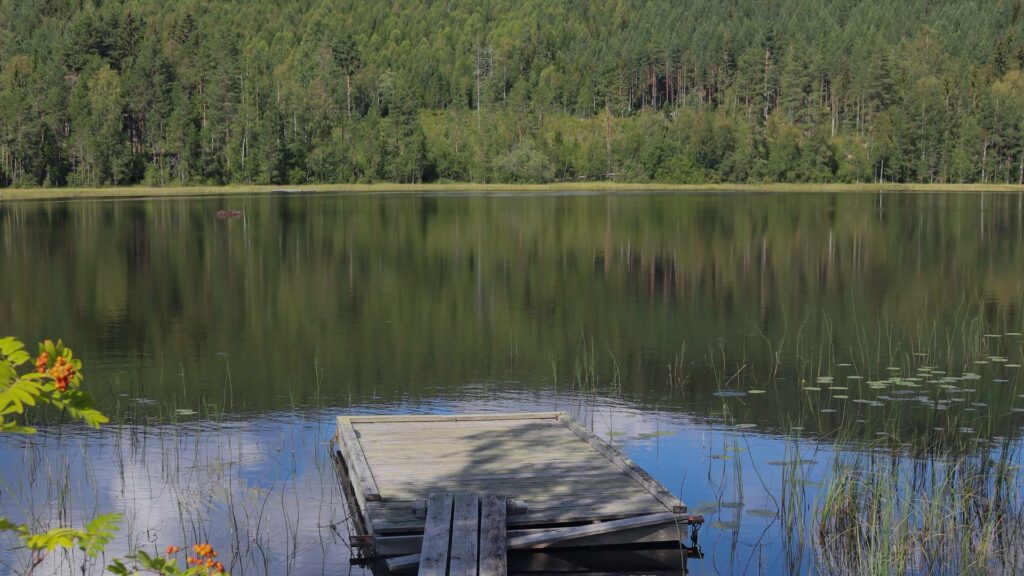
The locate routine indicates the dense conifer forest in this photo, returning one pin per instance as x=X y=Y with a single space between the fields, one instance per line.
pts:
x=104 y=92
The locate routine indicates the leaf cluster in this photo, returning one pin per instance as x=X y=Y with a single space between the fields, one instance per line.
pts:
x=20 y=389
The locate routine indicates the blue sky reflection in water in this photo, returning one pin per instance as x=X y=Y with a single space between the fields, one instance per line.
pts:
x=270 y=479
x=870 y=322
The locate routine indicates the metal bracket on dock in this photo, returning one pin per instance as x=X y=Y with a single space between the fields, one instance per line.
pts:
x=693 y=550
x=360 y=541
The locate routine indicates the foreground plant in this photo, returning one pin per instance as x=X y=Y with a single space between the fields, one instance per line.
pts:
x=91 y=540
x=203 y=563
x=55 y=380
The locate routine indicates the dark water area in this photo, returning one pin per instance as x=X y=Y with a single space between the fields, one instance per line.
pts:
x=710 y=336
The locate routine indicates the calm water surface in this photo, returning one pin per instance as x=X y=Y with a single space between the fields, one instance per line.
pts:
x=225 y=348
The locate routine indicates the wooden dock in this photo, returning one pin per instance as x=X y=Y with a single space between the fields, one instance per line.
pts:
x=569 y=487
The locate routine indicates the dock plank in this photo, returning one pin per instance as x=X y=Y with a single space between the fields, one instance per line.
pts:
x=554 y=486
x=414 y=432
x=404 y=508
x=465 y=535
x=469 y=445
x=554 y=537
x=537 y=497
x=391 y=517
x=493 y=547
x=530 y=471
x=458 y=426
x=628 y=466
x=436 y=534
x=356 y=458
x=486 y=417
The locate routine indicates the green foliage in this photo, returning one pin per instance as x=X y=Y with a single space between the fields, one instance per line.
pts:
x=203 y=563
x=91 y=540
x=291 y=92
x=523 y=163
x=56 y=382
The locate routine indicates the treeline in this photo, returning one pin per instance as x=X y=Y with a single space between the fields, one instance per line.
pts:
x=98 y=92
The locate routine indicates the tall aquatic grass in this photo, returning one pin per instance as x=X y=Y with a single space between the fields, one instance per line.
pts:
x=944 y=514
x=264 y=493
x=916 y=434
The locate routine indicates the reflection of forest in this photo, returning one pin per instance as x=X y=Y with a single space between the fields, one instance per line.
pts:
x=395 y=295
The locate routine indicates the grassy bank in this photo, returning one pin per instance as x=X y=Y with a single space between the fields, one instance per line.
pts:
x=143 y=191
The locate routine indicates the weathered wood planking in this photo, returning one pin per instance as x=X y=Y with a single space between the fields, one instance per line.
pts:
x=436 y=536
x=475 y=545
x=564 y=474
x=448 y=418
x=493 y=536
x=465 y=535
x=356 y=460
x=563 y=535
x=668 y=531
x=635 y=472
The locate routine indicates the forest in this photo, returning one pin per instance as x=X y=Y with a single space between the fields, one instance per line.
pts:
x=191 y=92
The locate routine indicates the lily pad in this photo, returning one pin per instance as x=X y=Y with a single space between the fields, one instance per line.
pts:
x=706 y=508
x=656 y=434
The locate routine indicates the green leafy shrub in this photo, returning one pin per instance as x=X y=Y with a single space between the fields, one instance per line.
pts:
x=55 y=380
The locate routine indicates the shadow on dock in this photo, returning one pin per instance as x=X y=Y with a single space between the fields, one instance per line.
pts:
x=594 y=511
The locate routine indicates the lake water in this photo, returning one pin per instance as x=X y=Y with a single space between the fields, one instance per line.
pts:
x=738 y=346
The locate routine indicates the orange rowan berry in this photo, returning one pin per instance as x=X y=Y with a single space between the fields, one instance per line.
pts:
x=41 y=362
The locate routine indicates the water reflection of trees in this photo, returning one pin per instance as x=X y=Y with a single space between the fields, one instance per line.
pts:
x=396 y=295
